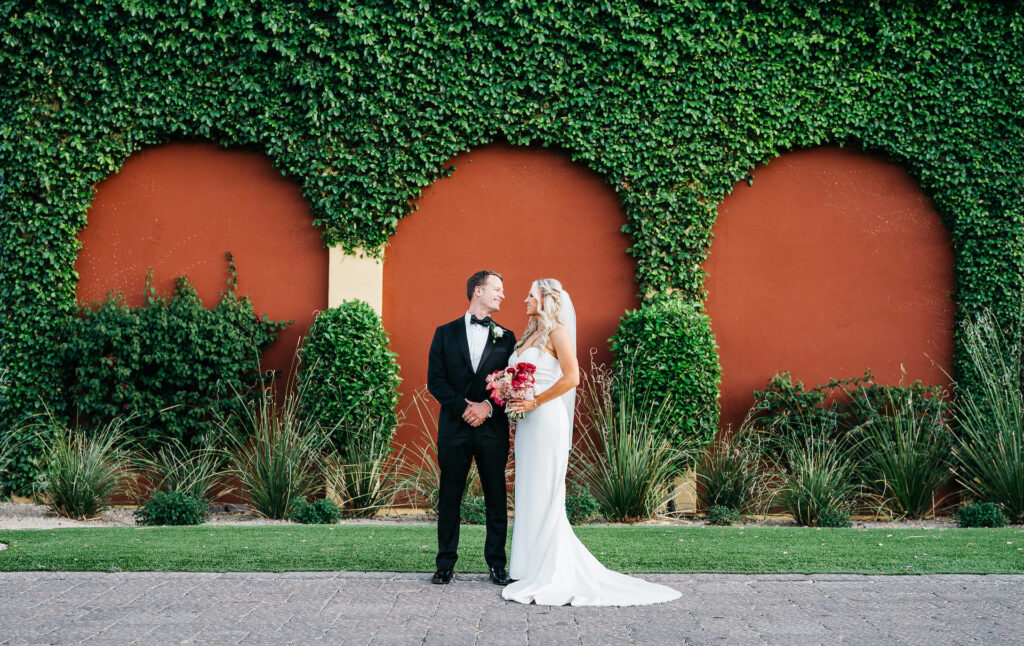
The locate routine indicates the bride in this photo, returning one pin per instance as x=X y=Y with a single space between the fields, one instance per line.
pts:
x=550 y=566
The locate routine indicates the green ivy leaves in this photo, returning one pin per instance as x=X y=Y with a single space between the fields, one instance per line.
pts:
x=674 y=102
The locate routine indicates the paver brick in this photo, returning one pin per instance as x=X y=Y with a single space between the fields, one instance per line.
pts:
x=387 y=608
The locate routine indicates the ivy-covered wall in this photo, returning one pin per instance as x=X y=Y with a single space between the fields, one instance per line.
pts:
x=362 y=103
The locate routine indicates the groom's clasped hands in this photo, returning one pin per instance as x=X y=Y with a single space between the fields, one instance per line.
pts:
x=476 y=412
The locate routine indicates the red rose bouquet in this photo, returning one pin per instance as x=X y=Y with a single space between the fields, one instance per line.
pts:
x=514 y=382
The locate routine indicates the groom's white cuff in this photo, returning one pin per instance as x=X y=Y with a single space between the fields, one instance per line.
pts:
x=490 y=407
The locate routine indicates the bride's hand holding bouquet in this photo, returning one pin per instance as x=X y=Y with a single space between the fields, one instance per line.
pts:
x=512 y=385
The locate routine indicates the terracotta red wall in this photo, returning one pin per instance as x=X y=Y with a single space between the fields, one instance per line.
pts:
x=177 y=208
x=526 y=213
x=832 y=262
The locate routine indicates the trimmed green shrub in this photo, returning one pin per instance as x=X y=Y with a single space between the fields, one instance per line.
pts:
x=718 y=515
x=981 y=514
x=580 y=505
x=172 y=363
x=668 y=352
x=319 y=512
x=833 y=518
x=172 y=508
x=474 y=510
x=348 y=374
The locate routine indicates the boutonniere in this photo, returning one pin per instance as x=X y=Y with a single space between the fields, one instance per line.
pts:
x=496 y=332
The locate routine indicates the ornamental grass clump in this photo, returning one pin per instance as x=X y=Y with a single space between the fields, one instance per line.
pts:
x=364 y=474
x=818 y=485
x=627 y=462
x=83 y=469
x=989 y=452
x=420 y=483
x=422 y=475
x=904 y=459
x=734 y=472
x=6 y=457
x=273 y=451
x=195 y=473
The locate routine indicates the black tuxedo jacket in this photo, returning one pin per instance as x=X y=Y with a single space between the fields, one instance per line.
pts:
x=451 y=380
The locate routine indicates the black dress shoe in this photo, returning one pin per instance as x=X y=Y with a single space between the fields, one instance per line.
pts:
x=499 y=576
x=443 y=576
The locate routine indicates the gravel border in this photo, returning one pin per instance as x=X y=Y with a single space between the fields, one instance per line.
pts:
x=21 y=515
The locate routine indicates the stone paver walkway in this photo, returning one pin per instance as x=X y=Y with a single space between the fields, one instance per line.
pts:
x=386 y=608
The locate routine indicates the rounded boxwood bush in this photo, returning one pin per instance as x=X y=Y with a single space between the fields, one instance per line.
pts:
x=320 y=512
x=981 y=514
x=833 y=518
x=580 y=505
x=666 y=349
x=172 y=508
x=719 y=515
x=348 y=378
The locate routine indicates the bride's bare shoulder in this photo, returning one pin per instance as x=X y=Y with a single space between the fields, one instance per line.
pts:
x=560 y=334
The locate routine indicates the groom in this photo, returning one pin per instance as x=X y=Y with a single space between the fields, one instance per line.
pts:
x=462 y=354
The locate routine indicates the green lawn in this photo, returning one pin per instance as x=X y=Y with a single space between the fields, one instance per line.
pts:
x=411 y=549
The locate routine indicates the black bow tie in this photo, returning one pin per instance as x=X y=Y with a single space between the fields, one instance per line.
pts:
x=485 y=321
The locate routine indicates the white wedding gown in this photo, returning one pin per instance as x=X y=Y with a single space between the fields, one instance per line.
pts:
x=549 y=564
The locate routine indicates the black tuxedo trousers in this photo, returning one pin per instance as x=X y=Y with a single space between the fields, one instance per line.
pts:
x=452 y=380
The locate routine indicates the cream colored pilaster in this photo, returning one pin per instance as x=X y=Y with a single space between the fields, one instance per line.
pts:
x=351 y=277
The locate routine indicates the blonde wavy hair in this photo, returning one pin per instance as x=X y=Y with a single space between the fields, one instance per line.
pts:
x=549 y=311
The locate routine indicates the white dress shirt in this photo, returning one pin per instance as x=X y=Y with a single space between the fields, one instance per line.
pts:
x=477 y=337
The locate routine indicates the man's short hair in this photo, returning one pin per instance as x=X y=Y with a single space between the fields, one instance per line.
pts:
x=477 y=280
